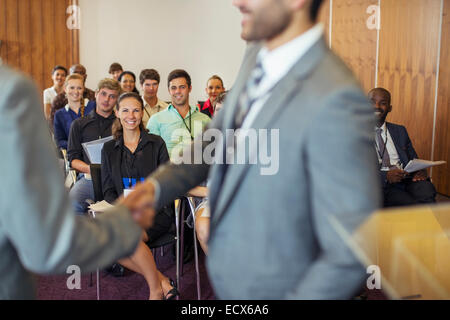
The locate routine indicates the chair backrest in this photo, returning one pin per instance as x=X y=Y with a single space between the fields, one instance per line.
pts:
x=96 y=174
x=69 y=171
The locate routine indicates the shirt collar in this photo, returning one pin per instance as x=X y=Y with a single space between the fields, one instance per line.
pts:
x=193 y=108
x=278 y=62
x=143 y=140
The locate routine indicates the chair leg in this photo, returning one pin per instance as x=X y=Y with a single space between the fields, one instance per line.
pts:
x=197 y=270
x=177 y=243
x=183 y=211
x=98 y=284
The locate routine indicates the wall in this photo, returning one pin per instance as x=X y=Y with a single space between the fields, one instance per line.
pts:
x=35 y=37
x=194 y=35
x=408 y=55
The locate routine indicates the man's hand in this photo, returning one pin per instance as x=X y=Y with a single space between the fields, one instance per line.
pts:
x=420 y=176
x=395 y=175
x=140 y=203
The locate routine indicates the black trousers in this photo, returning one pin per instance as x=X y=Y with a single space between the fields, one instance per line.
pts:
x=407 y=193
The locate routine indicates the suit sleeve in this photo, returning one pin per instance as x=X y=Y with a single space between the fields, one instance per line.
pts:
x=409 y=146
x=35 y=213
x=347 y=191
x=109 y=190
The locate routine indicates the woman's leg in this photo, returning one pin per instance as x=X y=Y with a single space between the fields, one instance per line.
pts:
x=142 y=262
x=202 y=229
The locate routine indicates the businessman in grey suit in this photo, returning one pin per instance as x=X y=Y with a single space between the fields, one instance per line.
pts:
x=272 y=235
x=38 y=230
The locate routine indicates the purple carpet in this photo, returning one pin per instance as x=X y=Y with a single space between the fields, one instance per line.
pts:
x=131 y=286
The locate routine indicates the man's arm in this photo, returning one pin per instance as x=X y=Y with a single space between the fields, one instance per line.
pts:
x=344 y=185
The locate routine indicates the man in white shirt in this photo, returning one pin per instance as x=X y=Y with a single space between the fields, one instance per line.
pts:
x=395 y=150
x=149 y=79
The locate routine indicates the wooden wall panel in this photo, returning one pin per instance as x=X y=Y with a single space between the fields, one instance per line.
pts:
x=37 y=44
x=24 y=16
x=48 y=28
x=3 y=29
x=324 y=17
x=12 y=33
x=409 y=39
x=353 y=41
x=441 y=174
x=35 y=37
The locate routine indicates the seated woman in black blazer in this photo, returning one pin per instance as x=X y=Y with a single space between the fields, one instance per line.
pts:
x=130 y=157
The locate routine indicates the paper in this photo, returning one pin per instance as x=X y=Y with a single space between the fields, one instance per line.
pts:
x=418 y=164
x=94 y=148
x=101 y=206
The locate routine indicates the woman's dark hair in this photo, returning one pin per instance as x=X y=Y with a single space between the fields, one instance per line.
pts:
x=117 y=129
x=314 y=10
x=59 y=68
x=134 y=78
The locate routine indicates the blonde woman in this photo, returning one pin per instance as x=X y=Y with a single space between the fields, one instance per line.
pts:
x=74 y=109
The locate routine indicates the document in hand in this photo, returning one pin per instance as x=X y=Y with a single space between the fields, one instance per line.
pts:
x=418 y=164
x=94 y=148
x=101 y=206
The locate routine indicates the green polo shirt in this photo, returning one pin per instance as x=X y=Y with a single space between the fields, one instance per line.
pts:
x=175 y=132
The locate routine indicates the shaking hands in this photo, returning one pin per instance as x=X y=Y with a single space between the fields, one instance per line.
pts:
x=141 y=203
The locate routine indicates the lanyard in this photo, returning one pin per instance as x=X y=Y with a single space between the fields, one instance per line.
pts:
x=190 y=124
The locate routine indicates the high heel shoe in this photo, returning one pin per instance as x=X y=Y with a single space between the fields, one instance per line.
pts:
x=173 y=293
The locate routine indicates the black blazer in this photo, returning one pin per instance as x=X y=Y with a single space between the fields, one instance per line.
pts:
x=402 y=144
x=155 y=154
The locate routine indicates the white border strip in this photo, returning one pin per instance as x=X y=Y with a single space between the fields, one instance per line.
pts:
x=330 y=23
x=437 y=84
x=378 y=44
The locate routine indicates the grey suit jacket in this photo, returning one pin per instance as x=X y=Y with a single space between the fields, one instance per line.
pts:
x=39 y=232
x=271 y=236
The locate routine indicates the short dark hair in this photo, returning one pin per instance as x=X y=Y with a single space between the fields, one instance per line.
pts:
x=179 y=73
x=115 y=67
x=58 y=67
x=314 y=9
x=149 y=74
x=384 y=91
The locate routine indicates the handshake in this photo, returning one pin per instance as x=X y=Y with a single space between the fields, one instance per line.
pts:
x=141 y=203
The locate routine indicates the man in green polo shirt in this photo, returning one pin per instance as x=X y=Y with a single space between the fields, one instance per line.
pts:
x=180 y=122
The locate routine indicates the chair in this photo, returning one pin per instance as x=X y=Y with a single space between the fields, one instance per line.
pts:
x=71 y=174
x=187 y=204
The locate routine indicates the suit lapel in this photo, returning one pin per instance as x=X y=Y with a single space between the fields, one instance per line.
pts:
x=282 y=94
x=395 y=135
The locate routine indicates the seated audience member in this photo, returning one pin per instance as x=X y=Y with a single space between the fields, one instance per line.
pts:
x=395 y=150
x=130 y=157
x=180 y=122
x=149 y=79
x=80 y=69
x=94 y=126
x=61 y=100
x=214 y=87
x=74 y=109
x=115 y=70
x=59 y=74
x=202 y=213
x=127 y=81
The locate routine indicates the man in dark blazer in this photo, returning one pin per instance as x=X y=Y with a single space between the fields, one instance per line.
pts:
x=395 y=150
x=274 y=229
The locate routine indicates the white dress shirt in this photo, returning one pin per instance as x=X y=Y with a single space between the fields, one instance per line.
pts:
x=390 y=147
x=277 y=63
